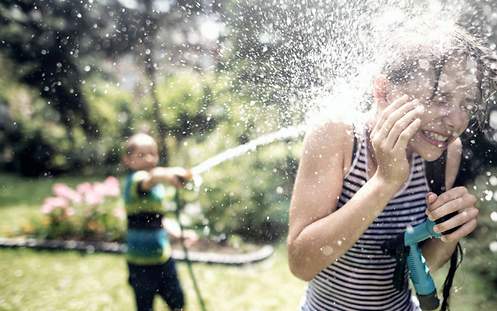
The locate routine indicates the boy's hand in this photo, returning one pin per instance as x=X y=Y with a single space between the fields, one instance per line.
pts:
x=190 y=237
x=176 y=176
x=454 y=200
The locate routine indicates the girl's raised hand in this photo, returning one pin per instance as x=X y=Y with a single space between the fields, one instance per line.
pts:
x=397 y=124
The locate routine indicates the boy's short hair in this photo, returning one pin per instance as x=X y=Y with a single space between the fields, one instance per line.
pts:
x=136 y=140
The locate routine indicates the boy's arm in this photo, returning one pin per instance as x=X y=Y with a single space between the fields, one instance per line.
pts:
x=172 y=228
x=174 y=231
x=174 y=176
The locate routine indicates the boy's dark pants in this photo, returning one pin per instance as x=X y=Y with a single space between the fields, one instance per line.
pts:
x=150 y=280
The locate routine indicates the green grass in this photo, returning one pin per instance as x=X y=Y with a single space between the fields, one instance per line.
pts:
x=41 y=280
x=34 y=280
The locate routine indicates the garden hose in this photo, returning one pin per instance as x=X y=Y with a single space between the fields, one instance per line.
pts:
x=406 y=250
x=179 y=206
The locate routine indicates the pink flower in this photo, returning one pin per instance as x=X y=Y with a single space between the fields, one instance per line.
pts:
x=108 y=188
x=112 y=186
x=52 y=203
x=99 y=188
x=47 y=208
x=84 y=187
x=93 y=198
x=62 y=190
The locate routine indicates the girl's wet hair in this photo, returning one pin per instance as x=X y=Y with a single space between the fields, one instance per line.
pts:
x=412 y=51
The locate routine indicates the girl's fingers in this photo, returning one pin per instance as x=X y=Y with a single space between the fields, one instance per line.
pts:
x=396 y=104
x=466 y=229
x=457 y=220
x=401 y=124
x=450 y=195
x=407 y=134
x=449 y=207
x=431 y=198
x=391 y=119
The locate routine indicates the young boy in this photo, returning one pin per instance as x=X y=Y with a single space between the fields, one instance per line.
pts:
x=151 y=268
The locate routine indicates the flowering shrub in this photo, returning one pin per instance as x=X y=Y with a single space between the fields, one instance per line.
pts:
x=91 y=211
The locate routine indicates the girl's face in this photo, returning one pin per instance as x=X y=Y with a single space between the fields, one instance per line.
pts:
x=447 y=109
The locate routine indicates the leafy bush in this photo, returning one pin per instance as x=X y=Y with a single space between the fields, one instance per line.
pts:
x=204 y=114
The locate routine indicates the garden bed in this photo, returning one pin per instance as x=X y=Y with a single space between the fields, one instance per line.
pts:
x=204 y=252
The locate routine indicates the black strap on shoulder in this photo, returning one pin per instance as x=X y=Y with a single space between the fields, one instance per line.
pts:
x=435 y=174
x=354 y=145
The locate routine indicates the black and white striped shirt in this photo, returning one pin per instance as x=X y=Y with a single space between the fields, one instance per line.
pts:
x=361 y=279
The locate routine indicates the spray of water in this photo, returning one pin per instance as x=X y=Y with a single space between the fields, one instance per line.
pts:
x=229 y=154
x=330 y=52
x=319 y=57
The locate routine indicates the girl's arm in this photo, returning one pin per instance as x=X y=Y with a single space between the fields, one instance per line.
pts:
x=319 y=233
x=436 y=251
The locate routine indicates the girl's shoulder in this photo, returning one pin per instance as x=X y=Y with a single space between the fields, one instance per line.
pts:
x=333 y=139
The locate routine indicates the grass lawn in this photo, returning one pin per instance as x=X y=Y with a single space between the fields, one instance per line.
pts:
x=34 y=280
x=42 y=280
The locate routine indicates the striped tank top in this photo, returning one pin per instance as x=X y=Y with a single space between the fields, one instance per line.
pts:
x=361 y=279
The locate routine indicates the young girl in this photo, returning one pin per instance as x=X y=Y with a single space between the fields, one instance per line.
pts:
x=356 y=188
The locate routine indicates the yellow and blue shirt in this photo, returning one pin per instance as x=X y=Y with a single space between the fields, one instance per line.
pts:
x=147 y=240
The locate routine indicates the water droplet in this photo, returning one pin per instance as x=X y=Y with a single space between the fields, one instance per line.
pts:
x=326 y=250
x=493 y=246
x=493 y=216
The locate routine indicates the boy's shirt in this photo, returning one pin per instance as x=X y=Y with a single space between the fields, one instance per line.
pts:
x=147 y=241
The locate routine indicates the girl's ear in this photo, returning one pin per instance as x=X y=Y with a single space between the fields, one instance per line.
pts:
x=380 y=91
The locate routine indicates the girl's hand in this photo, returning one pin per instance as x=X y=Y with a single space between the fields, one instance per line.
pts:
x=454 y=200
x=397 y=124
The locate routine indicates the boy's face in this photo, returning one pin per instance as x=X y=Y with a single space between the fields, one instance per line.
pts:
x=144 y=156
x=447 y=113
